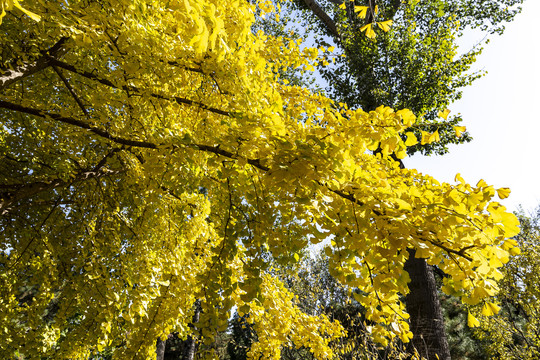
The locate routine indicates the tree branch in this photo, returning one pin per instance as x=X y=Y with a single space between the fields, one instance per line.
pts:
x=131 y=88
x=26 y=69
x=70 y=89
x=123 y=141
x=208 y=148
x=395 y=5
x=12 y=193
x=76 y=122
x=328 y=22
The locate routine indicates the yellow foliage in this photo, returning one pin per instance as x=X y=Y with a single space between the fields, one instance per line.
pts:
x=162 y=161
x=368 y=28
x=8 y=5
x=459 y=130
x=472 y=321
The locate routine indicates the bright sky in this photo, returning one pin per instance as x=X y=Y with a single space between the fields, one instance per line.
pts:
x=500 y=112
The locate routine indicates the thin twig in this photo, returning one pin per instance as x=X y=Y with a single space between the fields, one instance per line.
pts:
x=71 y=91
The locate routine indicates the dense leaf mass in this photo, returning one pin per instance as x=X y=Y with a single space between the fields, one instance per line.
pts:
x=151 y=157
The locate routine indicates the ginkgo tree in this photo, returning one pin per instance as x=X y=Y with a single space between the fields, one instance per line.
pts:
x=152 y=158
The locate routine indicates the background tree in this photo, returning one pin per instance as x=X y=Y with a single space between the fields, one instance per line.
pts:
x=415 y=65
x=242 y=336
x=514 y=333
x=318 y=291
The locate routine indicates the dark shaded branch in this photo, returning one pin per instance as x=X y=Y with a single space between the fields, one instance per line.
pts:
x=394 y=7
x=70 y=89
x=189 y=68
x=123 y=141
x=328 y=22
x=78 y=123
x=27 y=69
x=370 y=16
x=352 y=198
x=130 y=88
x=208 y=148
x=12 y=193
x=105 y=158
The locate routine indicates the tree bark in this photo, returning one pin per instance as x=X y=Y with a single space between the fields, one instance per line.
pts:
x=191 y=341
x=160 y=349
x=328 y=22
x=423 y=305
x=29 y=68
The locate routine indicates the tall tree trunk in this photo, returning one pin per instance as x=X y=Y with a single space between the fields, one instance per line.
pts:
x=160 y=349
x=423 y=305
x=191 y=341
x=180 y=349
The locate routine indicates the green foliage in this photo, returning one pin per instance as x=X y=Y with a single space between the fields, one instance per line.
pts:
x=318 y=292
x=462 y=341
x=417 y=64
x=242 y=336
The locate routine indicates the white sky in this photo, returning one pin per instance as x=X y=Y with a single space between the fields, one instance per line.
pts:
x=501 y=112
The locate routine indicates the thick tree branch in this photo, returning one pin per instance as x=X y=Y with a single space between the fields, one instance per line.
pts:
x=119 y=140
x=328 y=22
x=27 y=69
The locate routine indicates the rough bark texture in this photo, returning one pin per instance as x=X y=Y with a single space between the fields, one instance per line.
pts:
x=191 y=341
x=330 y=26
x=427 y=323
x=19 y=72
x=160 y=349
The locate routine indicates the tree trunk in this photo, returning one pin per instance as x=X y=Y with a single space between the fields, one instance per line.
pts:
x=191 y=341
x=423 y=305
x=160 y=349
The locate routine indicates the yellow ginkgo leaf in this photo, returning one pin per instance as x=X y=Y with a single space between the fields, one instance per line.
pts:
x=411 y=139
x=342 y=6
x=490 y=309
x=33 y=16
x=428 y=138
x=494 y=308
x=443 y=114
x=459 y=130
x=481 y=183
x=434 y=137
x=361 y=10
x=368 y=28
x=472 y=321
x=9 y=4
x=503 y=193
x=385 y=25
x=425 y=137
